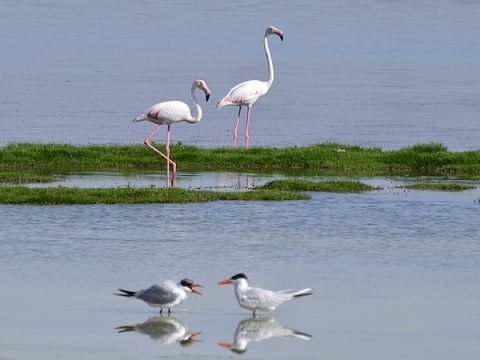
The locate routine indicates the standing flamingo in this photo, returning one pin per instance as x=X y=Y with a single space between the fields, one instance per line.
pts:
x=171 y=112
x=246 y=93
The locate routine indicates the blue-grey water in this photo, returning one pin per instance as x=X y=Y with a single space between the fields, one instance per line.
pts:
x=394 y=274
x=373 y=73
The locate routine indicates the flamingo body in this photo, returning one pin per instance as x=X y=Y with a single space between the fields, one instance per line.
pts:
x=245 y=93
x=167 y=113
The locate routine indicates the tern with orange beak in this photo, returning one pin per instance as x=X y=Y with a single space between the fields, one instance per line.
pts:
x=257 y=299
x=166 y=295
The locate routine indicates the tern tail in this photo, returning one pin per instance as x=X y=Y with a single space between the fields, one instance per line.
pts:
x=300 y=335
x=126 y=293
x=303 y=292
x=125 y=328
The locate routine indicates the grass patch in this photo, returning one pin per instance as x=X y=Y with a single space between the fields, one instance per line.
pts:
x=438 y=186
x=23 y=178
x=68 y=196
x=428 y=159
x=339 y=186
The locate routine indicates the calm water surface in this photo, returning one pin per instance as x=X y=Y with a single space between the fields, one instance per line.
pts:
x=373 y=73
x=394 y=275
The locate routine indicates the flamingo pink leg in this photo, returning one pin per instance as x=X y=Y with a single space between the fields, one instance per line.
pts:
x=147 y=143
x=167 y=148
x=246 y=129
x=235 y=131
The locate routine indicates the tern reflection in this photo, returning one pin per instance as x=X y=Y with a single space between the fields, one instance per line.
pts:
x=259 y=329
x=166 y=330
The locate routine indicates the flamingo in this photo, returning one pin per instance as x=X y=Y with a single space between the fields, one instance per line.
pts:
x=172 y=112
x=248 y=92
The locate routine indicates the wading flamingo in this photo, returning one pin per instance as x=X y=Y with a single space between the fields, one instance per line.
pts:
x=171 y=112
x=246 y=93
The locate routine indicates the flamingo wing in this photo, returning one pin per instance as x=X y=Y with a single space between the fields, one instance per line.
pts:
x=246 y=92
x=168 y=112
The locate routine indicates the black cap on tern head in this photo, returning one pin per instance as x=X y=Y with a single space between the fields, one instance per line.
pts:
x=186 y=282
x=239 y=276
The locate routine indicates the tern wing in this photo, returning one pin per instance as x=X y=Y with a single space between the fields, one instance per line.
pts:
x=262 y=298
x=163 y=293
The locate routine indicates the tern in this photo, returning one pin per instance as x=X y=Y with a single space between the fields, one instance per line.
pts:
x=165 y=330
x=259 y=329
x=257 y=299
x=167 y=294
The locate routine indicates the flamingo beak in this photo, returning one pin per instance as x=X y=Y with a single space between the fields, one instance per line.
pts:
x=225 y=282
x=207 y=92
x=194 y=290
x=279 y=33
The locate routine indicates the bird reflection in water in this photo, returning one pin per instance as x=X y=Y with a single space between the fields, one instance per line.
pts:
x=259 y=329
x=165 y=330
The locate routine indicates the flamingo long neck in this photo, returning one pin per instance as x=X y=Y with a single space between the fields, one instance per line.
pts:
x=271 y=74
x=198 y=117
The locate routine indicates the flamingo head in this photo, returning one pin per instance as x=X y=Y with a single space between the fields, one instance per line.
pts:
x=272 y=30
x=201 y=84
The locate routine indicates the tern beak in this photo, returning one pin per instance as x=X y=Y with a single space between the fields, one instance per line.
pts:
x=225 y=282
x=194 y=290
x=225 y=345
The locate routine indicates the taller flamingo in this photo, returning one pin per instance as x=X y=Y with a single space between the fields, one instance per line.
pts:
x=246 y=93
x=171 y=112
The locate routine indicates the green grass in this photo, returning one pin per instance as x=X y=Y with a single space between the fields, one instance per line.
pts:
x=62 y=195
x=23 y=178
x=325 y=186
x=438 y=186
x=332 y=158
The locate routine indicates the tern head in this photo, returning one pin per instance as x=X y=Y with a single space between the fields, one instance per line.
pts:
x=201 y=84
x=272 y=30
x=234 y=279
x=190 y=286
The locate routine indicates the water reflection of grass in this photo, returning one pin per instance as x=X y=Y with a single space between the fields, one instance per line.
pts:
x=333 y=158
x=62 y=195
x=438 y=186
x=324 y=186
x=23 y=178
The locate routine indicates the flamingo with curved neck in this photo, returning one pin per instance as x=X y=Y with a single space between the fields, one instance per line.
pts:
x=248 y=92
x=172 y=112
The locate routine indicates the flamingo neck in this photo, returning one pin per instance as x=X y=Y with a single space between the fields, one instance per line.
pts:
x=198 y=117
x=271 y=74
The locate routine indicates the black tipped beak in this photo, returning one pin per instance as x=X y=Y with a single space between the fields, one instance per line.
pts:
x=281 y=37
x=207 y=97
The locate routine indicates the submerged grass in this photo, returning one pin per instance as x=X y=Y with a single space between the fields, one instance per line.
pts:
x=23 y=178
x=438 y=186
x=68 y=196
x=418 y=159
x=325 y=186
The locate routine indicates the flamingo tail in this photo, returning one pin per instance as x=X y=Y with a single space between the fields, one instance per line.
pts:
x=141 y=117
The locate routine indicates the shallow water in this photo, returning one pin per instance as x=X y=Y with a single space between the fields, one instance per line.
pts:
x=393 y=272
x=374 y=73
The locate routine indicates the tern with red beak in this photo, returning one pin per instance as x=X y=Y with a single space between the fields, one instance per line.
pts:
x=257 y=299
x=167 y=294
